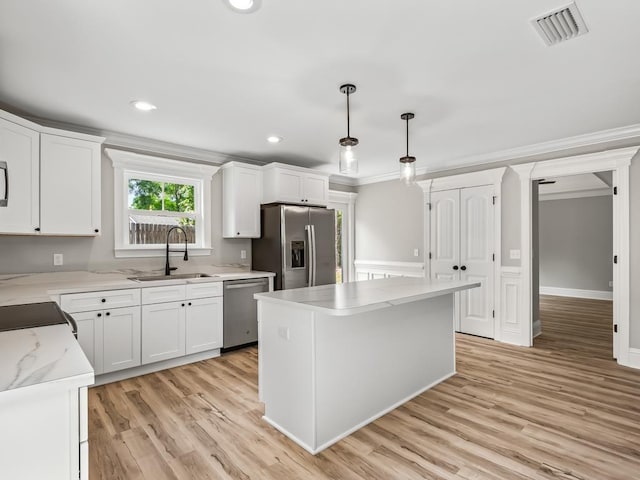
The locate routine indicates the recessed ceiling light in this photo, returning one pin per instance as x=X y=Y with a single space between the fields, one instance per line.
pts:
x=144 y=106
x=243 y=6
x=274 y=139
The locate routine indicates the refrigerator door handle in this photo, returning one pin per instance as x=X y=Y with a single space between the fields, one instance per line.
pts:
x=314 y=258
x=309 y=253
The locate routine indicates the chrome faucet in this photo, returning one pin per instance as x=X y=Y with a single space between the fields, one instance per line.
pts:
x=167 y=268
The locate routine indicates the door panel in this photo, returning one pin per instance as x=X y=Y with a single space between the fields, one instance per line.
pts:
x=296 y=247
x=476 y=255
x=445 y=233
x=324 y=222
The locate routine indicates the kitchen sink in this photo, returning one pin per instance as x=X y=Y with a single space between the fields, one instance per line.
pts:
x=177 y=276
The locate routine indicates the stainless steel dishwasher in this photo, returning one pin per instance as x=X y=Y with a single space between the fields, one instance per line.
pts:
x=241 y=312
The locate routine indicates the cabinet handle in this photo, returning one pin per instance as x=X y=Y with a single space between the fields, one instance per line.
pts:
x=183 y=304
x=103 y=300
x=189 y=303
x=99 y=315
x=238 y=233
x=463 y=267
x=37 y=229
x=455 y=267
x=5 y=168
x=96 y=230
x=108 y=313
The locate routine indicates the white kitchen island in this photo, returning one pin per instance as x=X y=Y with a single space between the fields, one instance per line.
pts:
x=334 y=358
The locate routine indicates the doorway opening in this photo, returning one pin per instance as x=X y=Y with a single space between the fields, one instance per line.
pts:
x=572 y=269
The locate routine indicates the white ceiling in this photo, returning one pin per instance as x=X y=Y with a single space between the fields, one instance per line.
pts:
x=476 y=74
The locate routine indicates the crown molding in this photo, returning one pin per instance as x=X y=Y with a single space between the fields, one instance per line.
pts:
x=596 y=192
x=588 y=143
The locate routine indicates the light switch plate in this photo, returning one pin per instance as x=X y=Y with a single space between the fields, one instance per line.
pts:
x=416 y=252
x=514 y=254
x=243 y=254
x=58 y=259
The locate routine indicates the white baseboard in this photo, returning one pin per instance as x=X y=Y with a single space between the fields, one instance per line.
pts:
x=634 y=358
x=577 y=293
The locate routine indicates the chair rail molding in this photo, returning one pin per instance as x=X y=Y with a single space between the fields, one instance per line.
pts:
x=618 y=161
x=492 y=176
x=372 y=269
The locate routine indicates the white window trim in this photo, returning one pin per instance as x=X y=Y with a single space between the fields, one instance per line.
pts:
x=347 y=199
x=128 y=165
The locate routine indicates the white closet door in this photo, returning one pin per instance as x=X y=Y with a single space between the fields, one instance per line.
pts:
x=445 y=234
x=476 y=260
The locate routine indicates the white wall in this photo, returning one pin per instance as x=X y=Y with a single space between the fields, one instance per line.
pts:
x=25 y=254
x=576 y=243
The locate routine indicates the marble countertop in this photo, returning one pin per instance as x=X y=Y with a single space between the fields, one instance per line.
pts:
x=363 y=296
x=41 y=287
x=40 y=356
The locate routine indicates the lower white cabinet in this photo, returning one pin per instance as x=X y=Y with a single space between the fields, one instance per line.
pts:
x=163 y=331
x=110 y=338
x=191 y=323
x=203 y=324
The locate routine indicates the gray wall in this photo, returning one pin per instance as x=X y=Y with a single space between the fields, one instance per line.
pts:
x=23 y=254
x=389 y=222
x=576 y=243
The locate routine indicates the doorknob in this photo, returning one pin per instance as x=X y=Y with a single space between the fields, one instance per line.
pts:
x=463 y=267
x=455 y=267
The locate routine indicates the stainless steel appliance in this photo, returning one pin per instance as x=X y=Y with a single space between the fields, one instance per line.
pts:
x=31 y=315
x=240 y=316
x=298 y=244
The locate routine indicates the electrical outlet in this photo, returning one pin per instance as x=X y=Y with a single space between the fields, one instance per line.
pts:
x=416 y=252
x=58 y=259
x=514 y=254
x=284 y=333
x=243 y=254
x=611 y=283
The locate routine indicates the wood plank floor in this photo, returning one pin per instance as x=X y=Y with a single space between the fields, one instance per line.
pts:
x=561 y=410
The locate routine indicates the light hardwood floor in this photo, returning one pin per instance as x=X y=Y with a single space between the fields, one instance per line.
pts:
x=561 y=410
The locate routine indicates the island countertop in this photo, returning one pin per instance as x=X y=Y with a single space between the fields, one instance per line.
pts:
x=357 y=297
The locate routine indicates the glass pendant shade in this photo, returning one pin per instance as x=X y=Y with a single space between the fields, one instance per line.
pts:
x=407 y=163
x=408 y=171
x=346 y=153
x=348 y=158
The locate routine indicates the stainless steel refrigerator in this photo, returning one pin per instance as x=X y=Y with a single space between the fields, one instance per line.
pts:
x=298 y=244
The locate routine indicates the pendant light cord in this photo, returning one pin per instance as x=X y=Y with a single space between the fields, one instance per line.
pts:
x=407 y=136
x=348 y=132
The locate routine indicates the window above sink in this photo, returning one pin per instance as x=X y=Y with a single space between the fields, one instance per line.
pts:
x=153 y=194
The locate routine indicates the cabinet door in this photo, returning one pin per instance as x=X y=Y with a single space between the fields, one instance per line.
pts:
x=121 y=338
x=90 y=329
x=69 y=186
x=289 y=186
x=163 y=330
x=204 y=324
x=242 y=195
x=316 y=189
x=476 y=257
x=19 y=179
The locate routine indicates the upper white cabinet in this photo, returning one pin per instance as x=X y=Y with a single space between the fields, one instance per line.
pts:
x=49 y=179
x=288 y=184
x=241 y=198
x=19 y=178
x=69 y=186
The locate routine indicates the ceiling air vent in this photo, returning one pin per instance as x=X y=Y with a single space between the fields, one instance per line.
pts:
x=560 y=25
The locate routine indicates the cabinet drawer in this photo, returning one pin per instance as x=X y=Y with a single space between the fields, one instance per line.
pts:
x=170 y=293
x=204 y=290
x=84 y=302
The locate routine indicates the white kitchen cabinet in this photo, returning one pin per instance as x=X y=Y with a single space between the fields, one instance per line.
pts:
x=108 y=327
x=69 y=186
x=190 y=323
x=241 y=198
x=203 y=324
x=287 y=184
x=19 y=178
x=49 y=179
x=163 y=331
x=121 y=339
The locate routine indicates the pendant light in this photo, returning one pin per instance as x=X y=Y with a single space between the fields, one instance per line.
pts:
x=407 y=163
x=348 y=159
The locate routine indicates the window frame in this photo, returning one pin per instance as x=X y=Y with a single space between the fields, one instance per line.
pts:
x=128 y=165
